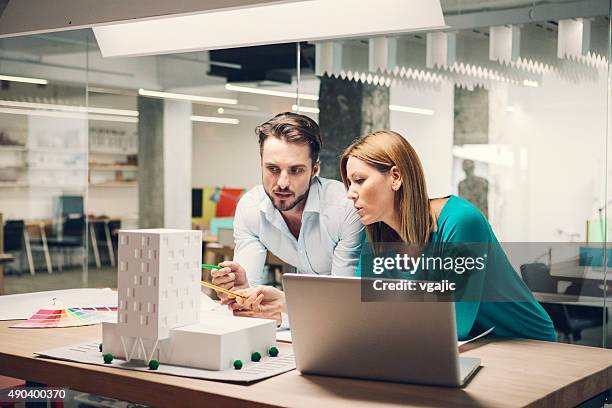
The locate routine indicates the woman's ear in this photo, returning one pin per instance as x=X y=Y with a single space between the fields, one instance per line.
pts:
x=396 y=178
x=316 y=168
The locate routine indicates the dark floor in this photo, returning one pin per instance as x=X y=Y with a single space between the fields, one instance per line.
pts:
x=105 y=277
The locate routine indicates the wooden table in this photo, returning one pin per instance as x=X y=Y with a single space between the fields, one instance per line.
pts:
x=514 y=373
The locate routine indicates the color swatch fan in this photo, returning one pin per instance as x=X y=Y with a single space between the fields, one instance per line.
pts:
x=70 y=317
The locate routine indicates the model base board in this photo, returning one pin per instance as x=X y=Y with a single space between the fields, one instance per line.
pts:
x=213 y=344
x=89 y=353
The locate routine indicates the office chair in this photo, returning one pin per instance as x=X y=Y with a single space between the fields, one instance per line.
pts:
x=14 y=241
x=68 y=204
x=71 y=236
x=569 y=320
x=104 y=233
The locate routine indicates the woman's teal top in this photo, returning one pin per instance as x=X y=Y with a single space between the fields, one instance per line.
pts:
x=497 y=297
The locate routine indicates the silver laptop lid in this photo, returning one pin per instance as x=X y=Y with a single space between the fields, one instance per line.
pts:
x=335 y=333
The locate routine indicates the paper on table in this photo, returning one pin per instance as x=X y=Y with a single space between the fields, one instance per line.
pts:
x=484 y=333
x=283 y=335
x=71 y=317
x=22 y=306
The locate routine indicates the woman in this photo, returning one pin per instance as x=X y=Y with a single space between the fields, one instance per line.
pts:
x=385 y=180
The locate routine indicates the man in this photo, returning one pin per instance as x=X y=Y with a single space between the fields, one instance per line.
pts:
x=301 y=218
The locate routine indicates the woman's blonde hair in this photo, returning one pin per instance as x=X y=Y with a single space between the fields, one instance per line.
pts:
x=383 y=150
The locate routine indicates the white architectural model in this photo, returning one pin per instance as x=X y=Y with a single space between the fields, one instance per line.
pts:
x=158 y=314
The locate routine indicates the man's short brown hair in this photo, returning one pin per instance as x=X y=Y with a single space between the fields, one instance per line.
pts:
x=292 y=128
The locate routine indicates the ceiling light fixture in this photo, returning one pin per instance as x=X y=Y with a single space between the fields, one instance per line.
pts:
x=68 y=108
x=23 y=79
x=311 y=20
x=183 y=97
x=270 y=92
x=68 y=115
x=410 y=109
x=306 y=109
x=214 y=119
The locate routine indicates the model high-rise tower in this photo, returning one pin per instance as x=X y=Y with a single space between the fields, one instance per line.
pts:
x=158 y=282
x=158 y=315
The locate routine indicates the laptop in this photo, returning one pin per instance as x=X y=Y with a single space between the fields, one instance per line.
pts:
x=335 y=333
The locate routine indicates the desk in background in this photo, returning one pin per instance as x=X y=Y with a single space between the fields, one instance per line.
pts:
x=41 y=228
x=571 y=271
x=105 y=223
x=515 y=373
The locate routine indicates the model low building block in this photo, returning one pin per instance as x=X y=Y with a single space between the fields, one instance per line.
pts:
x=159 y=307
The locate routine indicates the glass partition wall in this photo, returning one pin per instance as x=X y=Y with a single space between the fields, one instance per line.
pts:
x=44 y=160
x=507 y=108
x=101 y=157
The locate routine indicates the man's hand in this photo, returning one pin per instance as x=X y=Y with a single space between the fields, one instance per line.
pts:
x=231 y=275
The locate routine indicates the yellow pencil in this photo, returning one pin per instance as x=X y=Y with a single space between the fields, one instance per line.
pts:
x=220 y=289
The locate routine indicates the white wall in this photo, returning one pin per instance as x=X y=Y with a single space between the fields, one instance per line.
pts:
x=119 y=202
x=227 y=155
x=430 y=135
x=557 y=133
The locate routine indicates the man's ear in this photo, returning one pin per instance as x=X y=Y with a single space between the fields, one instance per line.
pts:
x=396 y=178
x=316 y=168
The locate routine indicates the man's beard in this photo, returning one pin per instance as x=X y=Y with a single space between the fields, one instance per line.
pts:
x=288 y=206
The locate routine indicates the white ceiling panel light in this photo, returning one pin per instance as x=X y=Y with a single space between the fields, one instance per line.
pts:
x=270 y=92
x=574 y=38
x=441 y=49
x=184 y=97
x=23 y=79
x=382 y=55
x=504 y=43
x=328 y=57
x=215 y=119
x=307 y=20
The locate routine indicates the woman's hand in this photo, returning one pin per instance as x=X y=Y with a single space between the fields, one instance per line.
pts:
x=264 y=302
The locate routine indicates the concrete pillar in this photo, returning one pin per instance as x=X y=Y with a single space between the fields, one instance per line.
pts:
x=177 y=164
x=164 y=161
x=348 y=110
